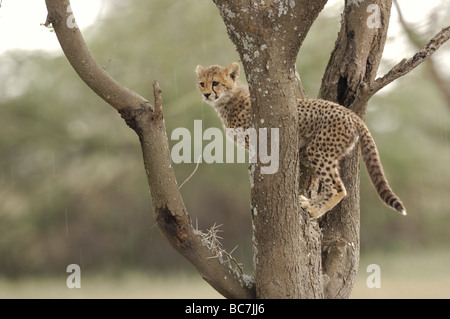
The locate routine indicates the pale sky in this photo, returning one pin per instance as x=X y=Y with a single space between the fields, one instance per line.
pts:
x=20 y=23
x=21 y=28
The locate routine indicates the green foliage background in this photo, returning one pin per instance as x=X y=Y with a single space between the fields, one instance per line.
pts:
x=72 y=183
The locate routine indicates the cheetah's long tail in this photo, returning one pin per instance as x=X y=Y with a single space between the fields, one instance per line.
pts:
x=373 y=164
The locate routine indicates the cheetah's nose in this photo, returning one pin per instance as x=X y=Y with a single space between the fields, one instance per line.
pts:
x=207 y=95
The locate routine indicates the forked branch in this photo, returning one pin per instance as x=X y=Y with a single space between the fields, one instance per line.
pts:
x=147 y=121
x=433 y=67
x=367 y=90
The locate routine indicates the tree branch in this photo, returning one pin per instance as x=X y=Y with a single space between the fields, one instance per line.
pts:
x=350 y=80
x=415 y=39
x=367 y=90
x=79 y=56
x=170 y=213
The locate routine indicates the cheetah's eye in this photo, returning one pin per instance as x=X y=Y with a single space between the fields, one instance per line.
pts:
x=202 y=84
x=215 y=83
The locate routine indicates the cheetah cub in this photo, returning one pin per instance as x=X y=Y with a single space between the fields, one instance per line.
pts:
x=328 y=130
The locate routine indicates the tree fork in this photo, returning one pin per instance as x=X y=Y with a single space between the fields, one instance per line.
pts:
x=148 y=122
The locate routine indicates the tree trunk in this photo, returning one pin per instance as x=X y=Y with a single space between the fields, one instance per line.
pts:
x=286 y=242
x=354 y=60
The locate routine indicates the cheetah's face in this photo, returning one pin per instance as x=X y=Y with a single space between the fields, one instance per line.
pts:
x=217 y=82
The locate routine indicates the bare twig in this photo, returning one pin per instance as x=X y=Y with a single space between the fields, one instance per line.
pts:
x=158 y=97
x=367 y=90
x=414 y=38
x=406 y=66
x=192 y=174
x=105 y=67
x=212 y=241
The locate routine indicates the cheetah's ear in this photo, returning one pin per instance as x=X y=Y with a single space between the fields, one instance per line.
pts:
x=233 y=70
x=199 y=70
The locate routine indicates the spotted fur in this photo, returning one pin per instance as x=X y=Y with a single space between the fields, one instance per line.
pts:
x=328 y=130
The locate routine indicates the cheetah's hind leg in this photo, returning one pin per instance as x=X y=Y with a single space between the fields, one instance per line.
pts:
x=332 y=189
x=316 y=197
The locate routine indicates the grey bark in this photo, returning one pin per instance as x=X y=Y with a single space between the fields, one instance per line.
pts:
x=268 y=35
x=354 y=60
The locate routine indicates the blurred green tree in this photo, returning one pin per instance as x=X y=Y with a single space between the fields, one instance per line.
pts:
x=67 y=196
